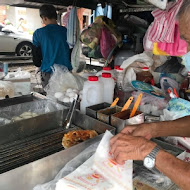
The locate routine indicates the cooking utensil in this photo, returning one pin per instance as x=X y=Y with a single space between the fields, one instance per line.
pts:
x=135 y=107
x=115 y=102
x=127 y=104
x=67 y=121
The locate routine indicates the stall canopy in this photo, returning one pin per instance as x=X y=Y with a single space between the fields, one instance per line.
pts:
x=91 y=4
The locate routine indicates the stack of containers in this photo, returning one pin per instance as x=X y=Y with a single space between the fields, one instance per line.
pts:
x=92 y=93
x=108 y=85
x=106 y=70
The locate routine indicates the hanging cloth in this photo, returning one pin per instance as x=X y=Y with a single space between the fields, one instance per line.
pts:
x=73 y=29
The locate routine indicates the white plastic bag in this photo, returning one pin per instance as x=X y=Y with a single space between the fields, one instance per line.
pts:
x=119 y=175
x=61 y=80
x=99 y=172
x=143 y=57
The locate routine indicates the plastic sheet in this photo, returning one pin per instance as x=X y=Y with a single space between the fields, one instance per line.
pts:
x=19 y=74
x=69 y=167
x=61 y=80
x=6 y=89
x=38 y=107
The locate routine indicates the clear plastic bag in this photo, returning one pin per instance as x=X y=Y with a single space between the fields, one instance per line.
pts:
x=69 y=167
x=9 y=113
x=6 y=89
x=61 y=80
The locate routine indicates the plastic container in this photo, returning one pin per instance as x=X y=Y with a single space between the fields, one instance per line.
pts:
x=145 y=76
x=109 y=86
x=120 y=76
x=106 y=70
x=92 y=93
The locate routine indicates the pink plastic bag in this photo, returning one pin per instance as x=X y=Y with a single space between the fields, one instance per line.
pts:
x=178 y=48
x=107 y=42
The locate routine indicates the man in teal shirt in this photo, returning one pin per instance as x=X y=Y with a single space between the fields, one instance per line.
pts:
x=50 y=44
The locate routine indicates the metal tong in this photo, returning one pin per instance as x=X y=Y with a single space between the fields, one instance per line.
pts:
x=68 y=119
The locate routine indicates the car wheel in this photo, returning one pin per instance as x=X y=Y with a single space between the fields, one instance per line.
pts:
x=24 y=49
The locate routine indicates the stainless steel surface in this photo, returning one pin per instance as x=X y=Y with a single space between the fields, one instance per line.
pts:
x=121 y=119
x=17 y=100
x=105 y=114
x=92 y=110
x=41 y=171
x=45 y=169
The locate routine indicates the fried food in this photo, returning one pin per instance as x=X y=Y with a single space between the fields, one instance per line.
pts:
x=74 y=137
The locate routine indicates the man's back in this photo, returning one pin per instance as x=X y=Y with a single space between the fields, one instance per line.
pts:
x=52 y=39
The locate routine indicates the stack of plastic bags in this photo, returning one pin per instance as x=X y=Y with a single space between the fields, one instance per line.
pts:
x=163 y=36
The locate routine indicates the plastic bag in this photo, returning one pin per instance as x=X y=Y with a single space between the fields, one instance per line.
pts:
x=129 y=76
x=144 y=58
x=119 y=175
x=27 y=110
x=61 y=80
x=69 y=167
x=107 y=42
x=19 y=74
x=6 y=89
x=99 y=172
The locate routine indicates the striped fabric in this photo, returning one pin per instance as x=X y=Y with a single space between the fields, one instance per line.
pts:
x=163 y=27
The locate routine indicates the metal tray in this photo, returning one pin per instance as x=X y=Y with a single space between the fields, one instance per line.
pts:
x=121 y=119
x=17 y=100
x=44 y=169
x=105 y=114
x=92 y=110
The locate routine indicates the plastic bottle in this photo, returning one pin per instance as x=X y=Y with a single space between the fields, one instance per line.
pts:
x=92 y=93
x=145 y=76
x=109 y=85
x=119 y=79
x=106 y=70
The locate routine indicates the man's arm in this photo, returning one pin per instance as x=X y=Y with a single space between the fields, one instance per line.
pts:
x=177 y=170
x=127 y=147
x=36 y=50
x=179 y=127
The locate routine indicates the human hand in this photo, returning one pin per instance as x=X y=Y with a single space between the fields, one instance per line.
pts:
x=126 y=147
x=145 y=130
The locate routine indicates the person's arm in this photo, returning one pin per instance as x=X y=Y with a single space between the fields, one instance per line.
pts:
x=179 y=127
x=126 y=147
x=177 y=170
x=36 y=50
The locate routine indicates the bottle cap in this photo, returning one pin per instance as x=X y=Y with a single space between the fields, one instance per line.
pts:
x=116 y=67
x=145 y=68
x=119 y=69
x=106 y=75
x=93 y=78
x=106 y=68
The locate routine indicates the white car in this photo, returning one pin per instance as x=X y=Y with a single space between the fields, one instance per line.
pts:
x=12 y=41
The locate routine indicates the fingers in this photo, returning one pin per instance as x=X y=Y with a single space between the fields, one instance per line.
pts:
x=128 y=129
x=114 y=142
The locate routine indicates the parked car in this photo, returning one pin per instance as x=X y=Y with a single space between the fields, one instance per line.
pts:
x=12 y=41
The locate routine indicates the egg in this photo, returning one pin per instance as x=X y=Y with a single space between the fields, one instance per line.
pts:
x=76 y=91
x=69 y=90
x=66 y=99
x=58 y=95
x=72 y=99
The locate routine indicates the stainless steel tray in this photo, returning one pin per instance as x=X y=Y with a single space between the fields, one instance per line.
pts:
x=45 y=169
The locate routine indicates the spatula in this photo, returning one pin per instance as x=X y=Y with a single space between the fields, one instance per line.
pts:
x=136 y=105
x=114 y=102
x=127 y=104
